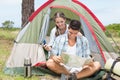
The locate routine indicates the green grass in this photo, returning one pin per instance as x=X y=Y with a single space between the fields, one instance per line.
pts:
x=115 y=43
x=8 y=34
x=116 y=39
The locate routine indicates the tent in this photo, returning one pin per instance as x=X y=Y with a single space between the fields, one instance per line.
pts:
x=30 y=38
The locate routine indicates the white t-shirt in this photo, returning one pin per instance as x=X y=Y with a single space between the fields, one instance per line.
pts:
x=71 y=49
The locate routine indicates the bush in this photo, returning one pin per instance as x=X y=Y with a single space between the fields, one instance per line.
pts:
x=114 y=30
x=108 y=34
x=8 y=24
x=119 y=34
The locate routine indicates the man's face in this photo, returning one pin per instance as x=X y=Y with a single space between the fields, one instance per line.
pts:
x=72 y=34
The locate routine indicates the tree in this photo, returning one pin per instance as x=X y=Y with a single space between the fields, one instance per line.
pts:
x=7 y=24
x=27 y=10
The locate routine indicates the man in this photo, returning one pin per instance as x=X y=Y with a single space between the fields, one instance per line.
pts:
x=72 y=44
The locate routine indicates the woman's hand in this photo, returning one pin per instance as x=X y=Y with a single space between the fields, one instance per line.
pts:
x=46 y=47
x=79 y=34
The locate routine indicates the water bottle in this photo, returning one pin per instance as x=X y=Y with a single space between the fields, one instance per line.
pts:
x=27 y=67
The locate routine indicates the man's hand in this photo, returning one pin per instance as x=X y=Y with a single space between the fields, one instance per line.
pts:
x=89 y=61
x=57 y=59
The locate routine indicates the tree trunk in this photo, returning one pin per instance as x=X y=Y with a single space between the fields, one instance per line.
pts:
x=27 y=10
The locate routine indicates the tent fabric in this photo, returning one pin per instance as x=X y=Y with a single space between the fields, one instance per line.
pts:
x=44 y=26
x=39 y=71
x=30 y=38
x=21 y=51
x=88 y=10
x=21 y=33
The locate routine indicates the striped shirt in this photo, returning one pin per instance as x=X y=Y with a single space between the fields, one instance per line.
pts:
x=61 y=43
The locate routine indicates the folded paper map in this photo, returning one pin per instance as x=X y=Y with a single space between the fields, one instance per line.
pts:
x=74 y=61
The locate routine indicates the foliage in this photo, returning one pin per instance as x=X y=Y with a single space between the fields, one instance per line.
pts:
x=113 y=32
x=113 y=29
x=8 y=24
x=8 y=34
x=114 y=26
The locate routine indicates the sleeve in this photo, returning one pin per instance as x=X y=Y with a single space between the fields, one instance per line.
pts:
x=52 y=37
x=86 y=49
x=55 y=47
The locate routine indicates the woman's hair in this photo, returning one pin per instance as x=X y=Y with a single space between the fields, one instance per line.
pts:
x=75 y=25
x=57 y=15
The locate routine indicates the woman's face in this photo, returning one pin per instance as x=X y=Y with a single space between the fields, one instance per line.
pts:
x=60 y=22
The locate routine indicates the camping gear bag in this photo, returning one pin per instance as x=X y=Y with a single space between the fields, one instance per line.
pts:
x=112 y=66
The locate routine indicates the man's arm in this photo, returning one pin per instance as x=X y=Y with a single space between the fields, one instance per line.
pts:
x=86 y=49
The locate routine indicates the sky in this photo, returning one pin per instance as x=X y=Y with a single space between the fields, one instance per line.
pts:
x=107 y=11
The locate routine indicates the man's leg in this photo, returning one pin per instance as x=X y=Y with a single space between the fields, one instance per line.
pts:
x=88 y=70
x=57 y=68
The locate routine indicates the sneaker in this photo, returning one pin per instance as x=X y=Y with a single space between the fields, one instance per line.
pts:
x=69 y=77
x=63 y=77
x=72 y=77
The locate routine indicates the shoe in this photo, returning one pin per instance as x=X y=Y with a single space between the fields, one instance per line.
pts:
x=72 y=77
x=68 y=77
x=63 y=77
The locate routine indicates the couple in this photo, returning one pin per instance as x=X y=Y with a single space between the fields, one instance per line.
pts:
x=73 y=44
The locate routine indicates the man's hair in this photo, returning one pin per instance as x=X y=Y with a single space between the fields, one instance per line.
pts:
x=75 y=25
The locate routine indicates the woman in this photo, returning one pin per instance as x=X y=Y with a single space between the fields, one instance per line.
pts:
x=60 y=29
